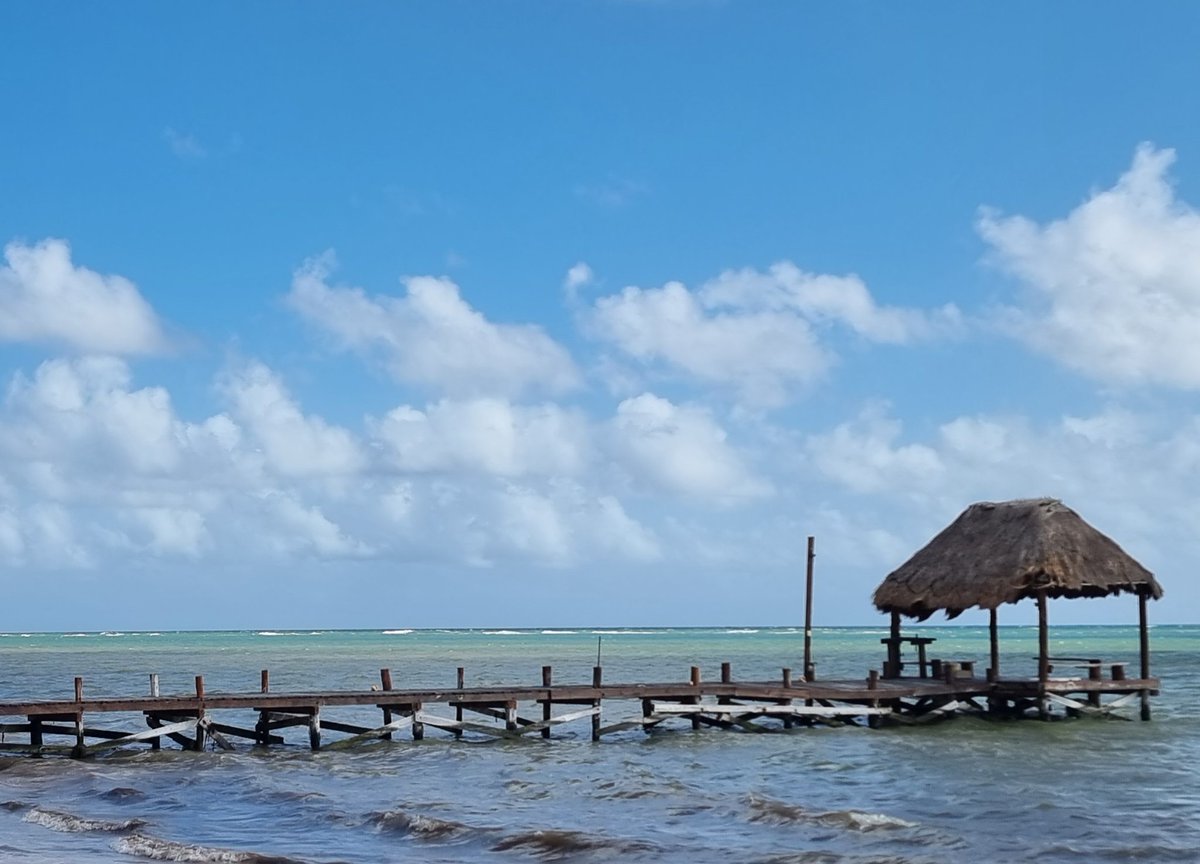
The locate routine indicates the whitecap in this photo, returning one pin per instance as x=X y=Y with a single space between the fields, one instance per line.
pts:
x=71 y=824
x=501 y=632
x=558 y=632
x=396 y=632
x=168 y=850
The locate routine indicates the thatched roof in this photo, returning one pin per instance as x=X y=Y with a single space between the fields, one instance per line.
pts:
x=1001 y=553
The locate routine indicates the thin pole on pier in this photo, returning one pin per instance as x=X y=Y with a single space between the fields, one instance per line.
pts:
x=1144 y=639
x=808 y=603
x=994 y=636
x=1043 y=653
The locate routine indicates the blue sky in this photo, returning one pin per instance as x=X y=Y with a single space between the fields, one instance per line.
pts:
x=583 y=312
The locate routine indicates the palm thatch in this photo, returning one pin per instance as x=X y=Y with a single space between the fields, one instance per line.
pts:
x=1003 y=552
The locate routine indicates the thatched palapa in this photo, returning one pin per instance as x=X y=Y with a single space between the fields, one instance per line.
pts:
x=997 y=553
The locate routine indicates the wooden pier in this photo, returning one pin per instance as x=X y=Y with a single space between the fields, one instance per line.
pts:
x=202 y=720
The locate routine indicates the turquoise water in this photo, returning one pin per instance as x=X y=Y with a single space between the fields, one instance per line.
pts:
x=1073 y=791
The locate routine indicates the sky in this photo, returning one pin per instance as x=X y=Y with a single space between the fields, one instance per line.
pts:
x=585 y=312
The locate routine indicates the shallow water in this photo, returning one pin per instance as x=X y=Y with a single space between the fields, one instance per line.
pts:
x=1087 y=790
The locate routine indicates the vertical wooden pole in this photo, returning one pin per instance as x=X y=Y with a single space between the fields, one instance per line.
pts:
x=726 y=673
x=1043 y=655
x=458 y=711
x=201 y=714
x=264 y=681
x=695 y=679
x=385 y=684
x=314 y=728
x=597 y=677
x=78 y=717
x=154 y=684
x=510 y=715
x=547 y=677
x=35 y=733
x=262 y=728
x=808 y=603
x=893 y=658
x=418 y=728
x=994 y=637
x=787 y=677
x=1144 y=639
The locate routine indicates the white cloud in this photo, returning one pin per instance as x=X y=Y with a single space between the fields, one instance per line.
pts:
x=44 y=298
x=432 y=337
x=579 y=276
x=184 y=144
x=293 y=444
x=862 y=455
x=680 y=450
x=490 y=436
x=754 y=332
x=1113 y=287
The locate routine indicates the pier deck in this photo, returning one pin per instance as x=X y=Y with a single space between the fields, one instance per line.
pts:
x=202 y=719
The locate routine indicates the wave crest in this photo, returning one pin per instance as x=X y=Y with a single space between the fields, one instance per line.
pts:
x=72 y=824
x=145 y=846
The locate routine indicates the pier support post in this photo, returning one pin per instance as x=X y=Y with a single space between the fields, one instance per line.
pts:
x=418 y=728
x=385 y=684
x=201 y=715
x=314 y=728
x=597 y=678
x=695 y=681
x=78 y=752
x=547 y=677
x=458 y=711
x=154 y=684
x=1144 y=644
x=726 y=673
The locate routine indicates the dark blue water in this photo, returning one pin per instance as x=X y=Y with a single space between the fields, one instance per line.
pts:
x=1072 y=791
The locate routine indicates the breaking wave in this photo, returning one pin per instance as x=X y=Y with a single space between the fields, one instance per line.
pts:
x=144 y=846
x=557 y=844
x=396 y=632
x=770 y=811
x=71 y=824
x=417 y=825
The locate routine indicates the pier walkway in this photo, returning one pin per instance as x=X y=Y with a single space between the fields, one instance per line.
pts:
x=200 y=720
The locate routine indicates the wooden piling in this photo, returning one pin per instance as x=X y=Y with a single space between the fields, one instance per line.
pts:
x=154 y=684
x=458 y=711
x=547 y=677
x=385 y=684
x=79 y=742
x=726 y=673
x=994 y=641
x=201 y=716
x=597 y=677
x=264 y=684
x=787 y=677
x=695 y=681
x=1144 y=645
x=314 y=728
x=1043 y=656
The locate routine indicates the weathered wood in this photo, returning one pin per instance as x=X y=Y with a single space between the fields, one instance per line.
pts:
x=994 y=644
x=154 y=684
x=1144 y=646
x=1043 y=653
x=314 y=730
x=597 y=678
x=381 y=732
x=726 y=673
x=547 y=677
x=809 y=668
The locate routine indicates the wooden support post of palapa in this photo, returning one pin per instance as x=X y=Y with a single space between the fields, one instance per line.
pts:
x=1043 y=655
x=893 y=660
x=994 y=640
x=1144 y=640
x=385 y=684
x=547 y=677
x=809 y=669
x=597 y=678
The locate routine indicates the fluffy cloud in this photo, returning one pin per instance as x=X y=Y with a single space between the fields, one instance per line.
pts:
x=1114 y=287
x=680 y=450
x=292 y=443
x=490 y=436
x=755 y=332
x=44 y=298
x=430 y=336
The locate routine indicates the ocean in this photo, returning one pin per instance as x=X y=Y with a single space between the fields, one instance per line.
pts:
x=965 y=790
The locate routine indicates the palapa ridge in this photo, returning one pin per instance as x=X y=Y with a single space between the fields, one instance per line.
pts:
x=996 y=553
